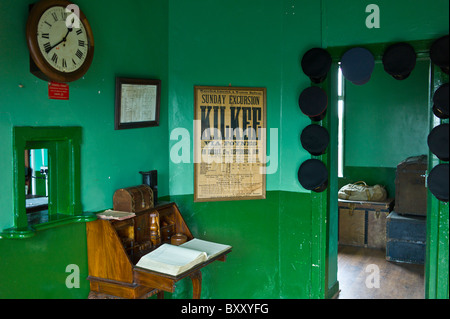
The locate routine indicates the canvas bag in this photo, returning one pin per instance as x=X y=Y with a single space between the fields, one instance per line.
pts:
x=360 y=191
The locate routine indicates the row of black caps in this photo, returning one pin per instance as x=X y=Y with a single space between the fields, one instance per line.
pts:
x=357 y=66
x=313 y=102
x=438 y=139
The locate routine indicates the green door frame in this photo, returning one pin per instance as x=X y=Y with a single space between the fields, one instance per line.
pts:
x=324 y=225
x=437 y=266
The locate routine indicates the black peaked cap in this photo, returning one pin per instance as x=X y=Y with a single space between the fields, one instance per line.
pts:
x=313 y=175
x=438 y=141
x=315 y=139
x=438 y=181
x=440 y=102
x=439 y=53
x=399 y=60
x=316 y=63
x=313 y=101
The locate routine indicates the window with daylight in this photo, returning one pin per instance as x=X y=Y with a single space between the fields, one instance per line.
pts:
x=341 y=113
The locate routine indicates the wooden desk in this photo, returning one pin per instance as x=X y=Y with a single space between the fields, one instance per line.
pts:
x=114 y=248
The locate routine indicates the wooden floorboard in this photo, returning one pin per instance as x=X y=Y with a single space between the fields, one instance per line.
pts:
x=396 y=280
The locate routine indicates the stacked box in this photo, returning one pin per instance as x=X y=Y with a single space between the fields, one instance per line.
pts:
x=363 y=223
x=410 y=190
x=405 y=238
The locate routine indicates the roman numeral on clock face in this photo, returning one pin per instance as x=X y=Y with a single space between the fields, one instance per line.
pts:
x=45 y=35
x=64 y=63
x=79 y=54
x=55 y=58
x=47 y=47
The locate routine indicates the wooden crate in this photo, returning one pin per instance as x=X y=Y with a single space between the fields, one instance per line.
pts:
x=352 y=224
x=363 y=223
x=376 y=228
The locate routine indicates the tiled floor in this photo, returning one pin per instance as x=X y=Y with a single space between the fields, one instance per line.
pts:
x=357 y=273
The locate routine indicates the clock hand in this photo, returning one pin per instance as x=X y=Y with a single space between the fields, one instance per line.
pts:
x=50 y=48
x=63 y=40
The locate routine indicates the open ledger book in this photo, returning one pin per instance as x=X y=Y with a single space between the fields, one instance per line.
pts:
x=174 y=260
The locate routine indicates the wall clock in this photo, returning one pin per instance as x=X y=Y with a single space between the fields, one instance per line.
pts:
x=60 y=41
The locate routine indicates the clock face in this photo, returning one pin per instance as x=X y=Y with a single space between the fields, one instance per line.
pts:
x=65 y=49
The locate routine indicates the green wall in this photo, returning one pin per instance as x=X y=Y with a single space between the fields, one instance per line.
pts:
x=187 y=43
x=110 y=159
x=244 y=43
x=386 y=120
x=271 y=246
x=400 y=20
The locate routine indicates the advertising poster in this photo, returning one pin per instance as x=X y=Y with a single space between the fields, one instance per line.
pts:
x=229 y=143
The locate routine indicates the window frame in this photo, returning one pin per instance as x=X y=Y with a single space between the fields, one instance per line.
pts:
x=63 y=144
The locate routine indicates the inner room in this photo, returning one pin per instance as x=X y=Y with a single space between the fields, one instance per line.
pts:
x=382 y=129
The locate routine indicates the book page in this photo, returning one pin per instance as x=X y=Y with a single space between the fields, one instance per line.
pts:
x=113 y=214
x=171 y=259
x=211 y=249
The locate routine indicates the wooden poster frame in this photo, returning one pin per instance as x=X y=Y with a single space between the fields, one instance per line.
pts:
x=256 y=98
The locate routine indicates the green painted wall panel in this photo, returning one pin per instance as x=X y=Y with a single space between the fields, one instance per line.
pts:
x=371 y=175
x=301 y=32
x=386 y=120
x=217 y=43
x=400 y=20
x=251 y=227
x=262 y=46
x=295 y=245
x=271 y=246
x=436 y=264
x=36 y=267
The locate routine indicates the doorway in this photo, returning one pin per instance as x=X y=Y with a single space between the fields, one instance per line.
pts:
x=373 y=167
x=382 y=123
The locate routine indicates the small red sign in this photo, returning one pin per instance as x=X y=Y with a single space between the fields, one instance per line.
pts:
x=58 y=91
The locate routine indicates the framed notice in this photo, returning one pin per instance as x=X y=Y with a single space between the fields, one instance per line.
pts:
x=229 y=143
x=137 y=103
